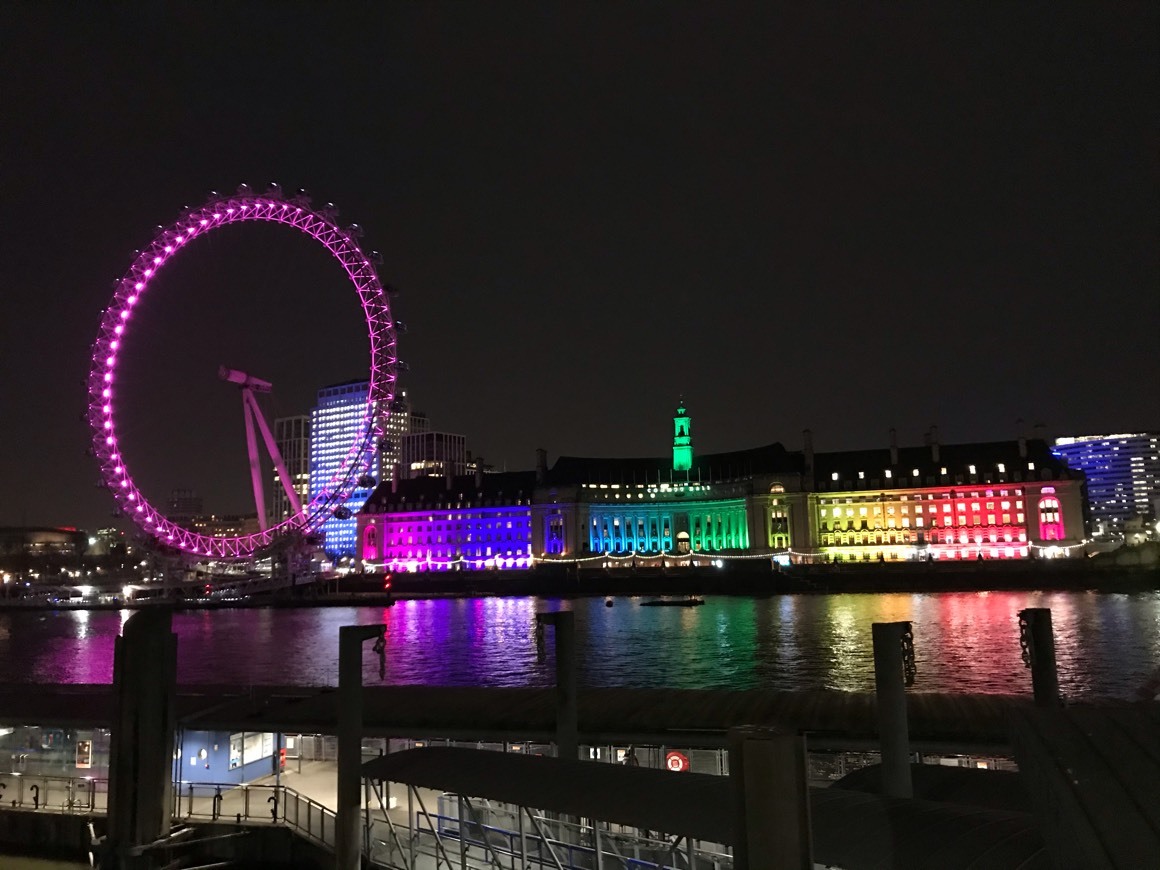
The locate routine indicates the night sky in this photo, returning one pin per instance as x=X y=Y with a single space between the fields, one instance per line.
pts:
x=842 y=217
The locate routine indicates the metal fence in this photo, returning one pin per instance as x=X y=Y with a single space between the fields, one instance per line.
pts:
x=474 y=834
x=58 y=794
x=271 y=804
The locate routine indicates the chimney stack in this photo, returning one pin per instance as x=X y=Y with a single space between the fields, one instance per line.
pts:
x=541 y=465
x=1040 y=432
x=1022 y=429
x=893 y=446
x=933 y=443
x=479 y=472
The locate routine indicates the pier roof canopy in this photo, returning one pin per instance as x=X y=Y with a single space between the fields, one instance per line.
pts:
x=852 y=829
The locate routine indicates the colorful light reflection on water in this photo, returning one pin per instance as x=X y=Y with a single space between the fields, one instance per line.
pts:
x=1107 y=644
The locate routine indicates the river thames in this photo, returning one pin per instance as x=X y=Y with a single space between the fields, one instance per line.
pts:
x=1107 y=645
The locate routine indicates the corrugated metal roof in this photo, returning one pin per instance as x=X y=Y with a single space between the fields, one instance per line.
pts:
x=850 y=829
x=1094 y=775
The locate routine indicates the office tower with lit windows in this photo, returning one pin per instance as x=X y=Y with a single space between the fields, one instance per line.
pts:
x=335 y=423
x=403 y=420
x=292 y=438
x=434 y=454
x=1123 y=475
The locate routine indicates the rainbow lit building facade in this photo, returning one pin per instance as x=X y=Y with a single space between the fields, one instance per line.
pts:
x=992 y=501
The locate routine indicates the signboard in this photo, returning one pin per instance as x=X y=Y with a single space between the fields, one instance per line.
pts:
x=677 y=762
x=84 y=754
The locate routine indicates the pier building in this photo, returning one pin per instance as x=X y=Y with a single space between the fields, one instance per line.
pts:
x=1001 y=500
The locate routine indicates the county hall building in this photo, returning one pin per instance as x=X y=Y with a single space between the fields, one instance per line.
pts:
x=1000 y=500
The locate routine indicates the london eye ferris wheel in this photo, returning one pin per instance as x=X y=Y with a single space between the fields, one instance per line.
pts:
x=343 y=244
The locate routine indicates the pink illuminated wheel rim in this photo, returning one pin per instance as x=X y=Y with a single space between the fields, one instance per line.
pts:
x=220 y=211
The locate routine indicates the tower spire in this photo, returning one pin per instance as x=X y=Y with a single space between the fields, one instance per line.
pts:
x=682 y=438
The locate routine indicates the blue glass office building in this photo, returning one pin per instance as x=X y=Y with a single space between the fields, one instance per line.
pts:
x=1123 y=475
x=335 y=422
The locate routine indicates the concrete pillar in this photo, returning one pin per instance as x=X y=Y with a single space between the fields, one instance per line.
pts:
x=890 y=689
x=567 y=710
x=348 y=852
x=142 y=745
x=768 y=778
x=1035 y=629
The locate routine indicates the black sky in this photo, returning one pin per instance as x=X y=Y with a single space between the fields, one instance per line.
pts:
x=843 y=217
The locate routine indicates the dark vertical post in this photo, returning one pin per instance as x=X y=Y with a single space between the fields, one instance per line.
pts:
x=890 y=690
x=142 y=743
x=1039 y=654
x=769 y=782
x=567 y=709
x=348 y=854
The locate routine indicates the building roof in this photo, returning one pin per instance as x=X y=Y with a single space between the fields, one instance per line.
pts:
x=506 y=486
x=955 y=458
x=851 y=829
x=768 y=459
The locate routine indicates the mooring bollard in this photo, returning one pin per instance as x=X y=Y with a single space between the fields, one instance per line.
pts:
x=893 y=671
x=567 y=728
x=771 y=800
x=1038 y=644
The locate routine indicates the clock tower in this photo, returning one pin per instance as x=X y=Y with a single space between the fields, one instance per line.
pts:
x=682 y=439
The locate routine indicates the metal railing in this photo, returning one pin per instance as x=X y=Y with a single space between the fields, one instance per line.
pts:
x=500 y=836
x=80 y=795
x=270 y=804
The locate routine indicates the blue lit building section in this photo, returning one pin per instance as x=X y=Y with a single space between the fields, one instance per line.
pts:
x=335 y=423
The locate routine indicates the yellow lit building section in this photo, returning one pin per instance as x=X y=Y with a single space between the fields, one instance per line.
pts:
x=932 y=523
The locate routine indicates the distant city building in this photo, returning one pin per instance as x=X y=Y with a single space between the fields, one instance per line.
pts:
x=182 y=506
x=1002 y=500
x=434 y=454
x=334 y=424
x=225 y=525
x=292 y=438
x=401 y=422
x=1123 y=475
x=37 y=544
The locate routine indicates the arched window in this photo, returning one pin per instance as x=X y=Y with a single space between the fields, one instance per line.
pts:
x=370 y=544
x=776 y=487
x=1050 y=519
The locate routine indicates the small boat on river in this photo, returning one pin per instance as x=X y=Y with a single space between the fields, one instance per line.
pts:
x=688 y=601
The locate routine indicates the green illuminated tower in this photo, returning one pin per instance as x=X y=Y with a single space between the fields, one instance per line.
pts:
x=682 y=439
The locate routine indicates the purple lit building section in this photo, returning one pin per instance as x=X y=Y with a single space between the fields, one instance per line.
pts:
x=359 y=266
x=471 y=539
x=452 y=523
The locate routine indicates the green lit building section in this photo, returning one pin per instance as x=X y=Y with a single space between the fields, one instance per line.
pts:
x=682 y=439
x=707 y=526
